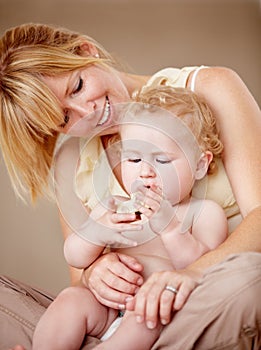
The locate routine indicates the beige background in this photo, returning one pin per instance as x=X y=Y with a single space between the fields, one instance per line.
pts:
x=149 y=35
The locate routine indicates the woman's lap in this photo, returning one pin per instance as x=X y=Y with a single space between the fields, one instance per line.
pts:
x=224 y=312
x=20 y=309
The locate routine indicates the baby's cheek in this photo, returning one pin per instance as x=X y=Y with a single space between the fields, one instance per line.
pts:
x=170 y=183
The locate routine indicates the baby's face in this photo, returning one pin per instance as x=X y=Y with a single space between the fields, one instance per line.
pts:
x=152 y=158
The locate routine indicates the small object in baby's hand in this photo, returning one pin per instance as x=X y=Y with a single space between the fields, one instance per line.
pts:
x=129 y=207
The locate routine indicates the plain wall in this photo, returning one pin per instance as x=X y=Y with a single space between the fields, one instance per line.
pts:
x=148 y=35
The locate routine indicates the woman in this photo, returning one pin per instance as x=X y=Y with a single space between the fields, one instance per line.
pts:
x=67 y=76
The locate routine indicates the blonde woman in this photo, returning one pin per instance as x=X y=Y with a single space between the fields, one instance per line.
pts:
x=50 y=78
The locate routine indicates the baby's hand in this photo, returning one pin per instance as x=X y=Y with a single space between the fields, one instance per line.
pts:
x=165 y=220
x=159 y=211
x=147 y=200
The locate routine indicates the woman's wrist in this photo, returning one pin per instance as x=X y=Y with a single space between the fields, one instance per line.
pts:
x=86 y=272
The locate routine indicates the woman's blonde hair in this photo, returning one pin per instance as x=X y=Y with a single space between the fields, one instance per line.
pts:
x=190 y=108
x=29 y=111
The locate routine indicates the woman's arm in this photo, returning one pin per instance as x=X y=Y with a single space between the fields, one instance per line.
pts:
x=239 y=121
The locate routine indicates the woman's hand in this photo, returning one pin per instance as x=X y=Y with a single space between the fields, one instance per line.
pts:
x=154 y=301
x=113 y=278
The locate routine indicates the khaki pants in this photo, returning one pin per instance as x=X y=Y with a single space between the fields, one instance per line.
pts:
x=223 y=312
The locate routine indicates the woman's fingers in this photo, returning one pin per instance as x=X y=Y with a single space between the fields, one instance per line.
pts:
x=186 y=287
x=131 y=262
x=109 y=297
x=147 y=302
x=113 y=278
x=166 y=306
x=163 y=293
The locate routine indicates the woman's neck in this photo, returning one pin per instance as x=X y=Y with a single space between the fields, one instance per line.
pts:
x=133 y=82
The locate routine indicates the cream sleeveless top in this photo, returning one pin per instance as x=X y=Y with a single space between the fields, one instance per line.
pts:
x=95 y=179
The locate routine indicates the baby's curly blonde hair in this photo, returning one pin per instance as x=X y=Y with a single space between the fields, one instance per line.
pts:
x=192 y=110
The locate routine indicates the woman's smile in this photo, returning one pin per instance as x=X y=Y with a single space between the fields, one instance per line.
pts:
x=106 y=112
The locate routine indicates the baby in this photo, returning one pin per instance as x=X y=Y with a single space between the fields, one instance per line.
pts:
x=167 y=142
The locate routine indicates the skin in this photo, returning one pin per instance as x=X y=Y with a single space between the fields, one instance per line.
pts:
x=169 y=163
x=115 y=276
x=151 y=159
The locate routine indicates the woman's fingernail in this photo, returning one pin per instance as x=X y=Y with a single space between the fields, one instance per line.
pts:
x=140 y=281
x=150 y=324
x=121 y=307
x=128 y=299
x=139 y=319
x=164 y=322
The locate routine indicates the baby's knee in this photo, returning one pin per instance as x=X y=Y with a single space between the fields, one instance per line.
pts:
x=72 y=296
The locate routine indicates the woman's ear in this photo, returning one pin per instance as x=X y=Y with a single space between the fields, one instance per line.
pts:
x=203 y=164
x=89 y=49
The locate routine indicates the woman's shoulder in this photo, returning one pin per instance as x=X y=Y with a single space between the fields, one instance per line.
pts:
x=176 y=77
x=187 y=76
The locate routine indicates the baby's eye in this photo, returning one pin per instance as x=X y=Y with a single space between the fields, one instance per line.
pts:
x=163 y=161
x=78 y=86
x=65 y=121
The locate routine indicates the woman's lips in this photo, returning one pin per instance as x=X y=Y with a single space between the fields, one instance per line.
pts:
x=106 y=112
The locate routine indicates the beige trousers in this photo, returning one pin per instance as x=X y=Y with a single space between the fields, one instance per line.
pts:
x=223 y=312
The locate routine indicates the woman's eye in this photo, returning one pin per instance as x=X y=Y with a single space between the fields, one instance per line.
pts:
x=65 y=121
x=79 y=86
x=134 y=160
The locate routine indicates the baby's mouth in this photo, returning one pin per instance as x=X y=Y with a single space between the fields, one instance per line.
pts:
x=106 y=112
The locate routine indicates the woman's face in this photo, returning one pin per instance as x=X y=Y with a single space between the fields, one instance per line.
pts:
x=89 y=98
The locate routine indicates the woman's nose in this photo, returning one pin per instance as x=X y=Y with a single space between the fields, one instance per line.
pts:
x=84 y=110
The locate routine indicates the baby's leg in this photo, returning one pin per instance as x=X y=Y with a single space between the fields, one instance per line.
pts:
x=131 y=335
x=73 y=314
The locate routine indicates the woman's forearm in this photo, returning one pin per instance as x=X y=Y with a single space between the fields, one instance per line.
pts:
x=246 y=237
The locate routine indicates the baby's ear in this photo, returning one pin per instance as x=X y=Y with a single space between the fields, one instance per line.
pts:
x=203 y=164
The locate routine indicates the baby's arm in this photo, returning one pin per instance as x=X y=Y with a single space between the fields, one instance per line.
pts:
x=210 y=226
x=79 y=252
x=202 y=228
x=187 y=230
x=103 y=227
